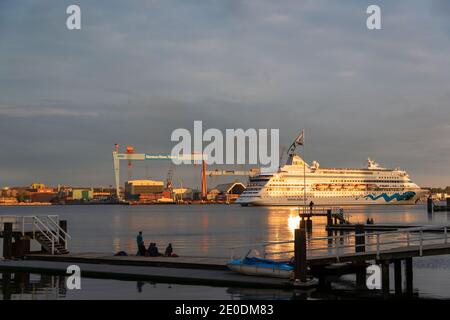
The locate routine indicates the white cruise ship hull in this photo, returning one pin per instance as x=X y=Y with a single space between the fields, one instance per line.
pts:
x=363 y=199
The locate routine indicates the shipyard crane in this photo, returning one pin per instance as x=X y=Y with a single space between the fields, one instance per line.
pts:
x=132 y=156
x=251 y=172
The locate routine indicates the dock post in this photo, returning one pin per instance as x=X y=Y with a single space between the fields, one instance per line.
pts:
x=21 y=246
x=302 y=223
x=300 y=267
x=7 y=240
x=329 y=218
x=309 y=225
x=448 y=203
x=409 y=275
x=360 y=241
x=360 y=238
x=430 y=204
x=398 y=276
x=385 y=277
x=62 y=236
x=6 y=283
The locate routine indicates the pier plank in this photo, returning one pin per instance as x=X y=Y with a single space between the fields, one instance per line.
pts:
x=191 y=262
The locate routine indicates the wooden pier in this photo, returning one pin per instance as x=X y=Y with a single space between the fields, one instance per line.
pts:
x=432 y=207
x=334 y=216
x=18 y=231
x=377 y=227
x=181 y=275
x=353 y=252
x=185 y=262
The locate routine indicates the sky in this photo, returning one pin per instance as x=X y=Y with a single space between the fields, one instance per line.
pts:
x=137 y=70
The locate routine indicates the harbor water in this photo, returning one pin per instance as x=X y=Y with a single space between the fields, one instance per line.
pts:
x=205 y=230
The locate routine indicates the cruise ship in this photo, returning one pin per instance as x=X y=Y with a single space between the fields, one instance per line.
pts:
x=330 y=186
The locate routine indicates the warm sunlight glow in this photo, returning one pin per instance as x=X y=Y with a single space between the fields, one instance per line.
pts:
x=293 y=222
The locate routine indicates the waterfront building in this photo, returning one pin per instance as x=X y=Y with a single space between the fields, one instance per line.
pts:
x=144 y=189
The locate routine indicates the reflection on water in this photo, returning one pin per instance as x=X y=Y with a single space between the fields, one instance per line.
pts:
x=210 y=230
x=26 y=286
x=202 y=230
x=30 y=286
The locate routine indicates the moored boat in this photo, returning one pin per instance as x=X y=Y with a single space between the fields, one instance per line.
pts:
x=262 y=267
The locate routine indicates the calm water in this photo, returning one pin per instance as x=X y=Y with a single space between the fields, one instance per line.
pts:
x=209 y=231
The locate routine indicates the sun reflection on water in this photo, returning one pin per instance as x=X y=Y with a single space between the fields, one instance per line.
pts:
x=293 y=222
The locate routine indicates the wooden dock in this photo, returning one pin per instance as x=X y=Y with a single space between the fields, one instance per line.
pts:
x=374 y=227
x=432 y=207
x=185 y=262
x=181 y=275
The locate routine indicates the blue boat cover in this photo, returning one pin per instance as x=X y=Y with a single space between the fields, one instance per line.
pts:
x=263 y=263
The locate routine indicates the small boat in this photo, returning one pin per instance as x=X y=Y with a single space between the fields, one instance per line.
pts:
x=262 y=267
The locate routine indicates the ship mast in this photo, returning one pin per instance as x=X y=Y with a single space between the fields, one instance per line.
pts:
x=299 y=141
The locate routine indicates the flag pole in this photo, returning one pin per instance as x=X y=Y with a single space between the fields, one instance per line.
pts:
x=304 y=175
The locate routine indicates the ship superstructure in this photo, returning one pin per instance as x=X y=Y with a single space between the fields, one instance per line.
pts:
x=298 y=183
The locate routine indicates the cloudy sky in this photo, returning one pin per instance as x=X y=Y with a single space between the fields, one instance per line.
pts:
x=140 y=69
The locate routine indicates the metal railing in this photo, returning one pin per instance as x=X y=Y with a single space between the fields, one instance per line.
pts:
x=376 y=243
x=47 y=226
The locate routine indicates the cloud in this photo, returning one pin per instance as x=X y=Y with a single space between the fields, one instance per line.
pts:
x=138 y=70
x=38 y=111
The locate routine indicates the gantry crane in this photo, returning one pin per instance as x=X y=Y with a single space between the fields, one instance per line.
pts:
x=194 y=158
x=132 y=156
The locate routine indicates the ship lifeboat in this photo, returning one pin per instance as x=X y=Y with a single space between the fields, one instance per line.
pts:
x=348 y=186
x=360 y=186
x=321 y=186
x=335 y=186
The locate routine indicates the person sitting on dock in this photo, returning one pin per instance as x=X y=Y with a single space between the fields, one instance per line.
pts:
x=153 y=250
x=169 y=251
x=140 y=244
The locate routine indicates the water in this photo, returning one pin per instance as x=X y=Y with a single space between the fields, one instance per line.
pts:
x=209 y=230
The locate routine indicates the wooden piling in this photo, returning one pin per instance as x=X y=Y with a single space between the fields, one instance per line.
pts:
x=21 y=246
x=430 y=204
x=329 y=218
x=360 y=238
x=360 y=241
x=300 y=267
x=409 y=275
x=448 y=203
x=302 y=223
x=6 y=283
x=7 y=240
x=398 y=276
x=309 y=225
x=385 y=277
